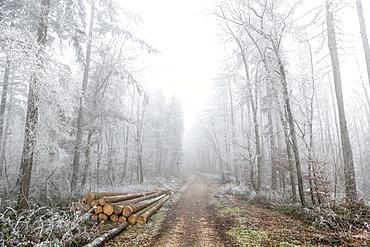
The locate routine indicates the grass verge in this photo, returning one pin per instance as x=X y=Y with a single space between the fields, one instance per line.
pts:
x=240 y=232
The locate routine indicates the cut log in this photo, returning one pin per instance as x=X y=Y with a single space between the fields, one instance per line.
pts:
x=133 y=217
x=90 y=196
x=106 y=236
x=98 y=209
x=102 y=216
x=94 y=203
x=132 y=208
x=113 y=217
x=122 y=218
x=108 y=209
x=87 y=207
x=136 y=200
x=117 y=209
x=142 y=219
x=109 y=199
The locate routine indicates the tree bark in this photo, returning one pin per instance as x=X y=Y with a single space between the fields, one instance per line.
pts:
x=142 y=219
x=118 y=206
x=4 y=94
x=91 y=196
x=80 y=124
x=133 y=217
x=233 y=158
x=132 y=208
x=349 y=169
x=292 y=132
x=29 y=145
x=274 y=173
x=116 y=198
x=365 y=41
x=87 y=160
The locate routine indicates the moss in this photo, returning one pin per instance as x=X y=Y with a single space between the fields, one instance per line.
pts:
x=247 y=236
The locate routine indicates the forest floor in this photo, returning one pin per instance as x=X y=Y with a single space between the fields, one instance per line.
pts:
x=201 y=216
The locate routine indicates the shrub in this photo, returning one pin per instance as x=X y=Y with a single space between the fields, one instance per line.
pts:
x=43 y=227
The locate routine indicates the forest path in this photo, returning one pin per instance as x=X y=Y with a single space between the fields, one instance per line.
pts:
x=192 y=220
x=203 y=215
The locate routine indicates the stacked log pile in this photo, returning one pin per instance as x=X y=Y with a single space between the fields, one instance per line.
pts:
x=133 y=208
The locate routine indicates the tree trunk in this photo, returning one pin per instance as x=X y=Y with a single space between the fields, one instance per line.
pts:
x=365 y=41
x=5 y=136
x=87 y=160
x=29 y=144
x=274 y=173
x=292 y=132
x=349 y=169
x=255 y=119
x=80 y=124
x=290 y=159
x=125 y=155
x=4 y=94
x=233 y=136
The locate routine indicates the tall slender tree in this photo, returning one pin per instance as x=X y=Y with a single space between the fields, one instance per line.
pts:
x=32 y=111
x=80 y=121
x=348 y=164
x=365 y=41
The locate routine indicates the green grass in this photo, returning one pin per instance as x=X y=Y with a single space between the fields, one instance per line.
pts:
x=240 y=233
x=246 y=236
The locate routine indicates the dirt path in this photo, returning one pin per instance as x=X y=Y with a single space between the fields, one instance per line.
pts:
x=192 y=221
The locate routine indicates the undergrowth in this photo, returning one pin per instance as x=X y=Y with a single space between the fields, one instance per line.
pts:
x=339 y=218
x=342 y=222
x=44 y=226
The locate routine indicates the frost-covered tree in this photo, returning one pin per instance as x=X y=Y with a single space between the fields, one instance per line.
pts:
x=29 y=32
x=28 y=154
x=174 y=134
x=348 y=164
x=110 y=60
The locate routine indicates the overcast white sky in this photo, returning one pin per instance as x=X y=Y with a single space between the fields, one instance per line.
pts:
x=186 y=37
x=185 y=34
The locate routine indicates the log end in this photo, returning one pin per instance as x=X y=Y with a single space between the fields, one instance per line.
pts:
x=108 y=209
x=132 y=219
x=89 y=197
x=117 y=209
x=113 y=217
x=127 y=211
x=87 y=207
x=102 y=217
x=94 y=203
x=141 y=220
x=122 y=219
x=102 y=201
x=98 y=209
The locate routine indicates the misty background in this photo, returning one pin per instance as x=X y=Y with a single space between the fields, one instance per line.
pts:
x=98 y=95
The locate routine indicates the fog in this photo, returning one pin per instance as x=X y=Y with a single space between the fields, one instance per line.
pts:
x=105 y=94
